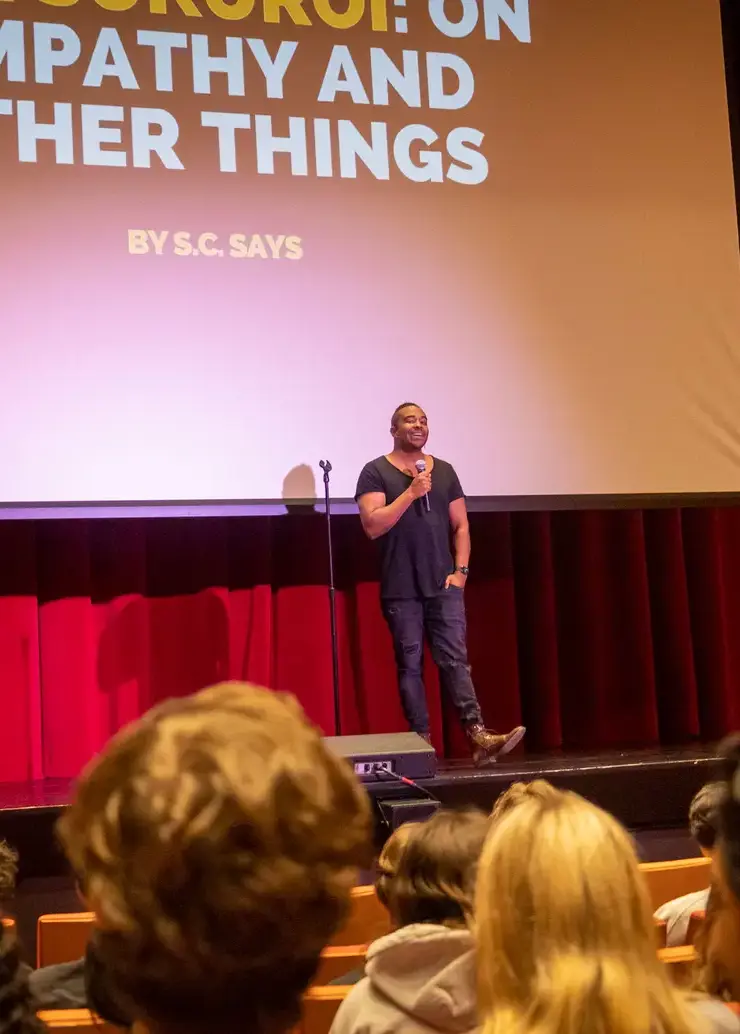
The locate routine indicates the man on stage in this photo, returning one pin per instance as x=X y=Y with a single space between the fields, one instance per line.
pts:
x=409 y=501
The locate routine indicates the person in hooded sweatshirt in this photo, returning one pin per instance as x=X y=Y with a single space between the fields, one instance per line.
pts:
x=420 y=979
x=387 y=869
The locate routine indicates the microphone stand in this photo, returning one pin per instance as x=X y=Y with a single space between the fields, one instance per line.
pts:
x=326 y=467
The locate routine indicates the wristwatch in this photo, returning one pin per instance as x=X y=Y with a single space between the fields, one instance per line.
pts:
x=463 y=570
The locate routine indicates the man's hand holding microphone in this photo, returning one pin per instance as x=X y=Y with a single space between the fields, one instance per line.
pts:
x=421 y=486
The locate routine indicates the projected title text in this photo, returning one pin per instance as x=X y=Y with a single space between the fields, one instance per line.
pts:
x=140 y=136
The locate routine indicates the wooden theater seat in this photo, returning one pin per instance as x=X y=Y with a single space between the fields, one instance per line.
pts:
x=669 y=880
x=661 y=932
x=368 y=919
x=76 y=1021
x=320 y=1006
x=680 y=962
x=63 y=937
x=337 y=961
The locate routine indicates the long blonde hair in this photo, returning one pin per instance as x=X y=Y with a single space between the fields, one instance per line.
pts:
x=566 y=941
x=517 y=793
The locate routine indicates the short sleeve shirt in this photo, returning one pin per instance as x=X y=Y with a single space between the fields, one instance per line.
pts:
x=415 y=556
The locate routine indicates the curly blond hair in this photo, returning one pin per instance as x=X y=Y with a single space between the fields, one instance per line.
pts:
x=217 y=839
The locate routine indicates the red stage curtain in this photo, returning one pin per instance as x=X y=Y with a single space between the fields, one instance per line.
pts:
x=597 y=629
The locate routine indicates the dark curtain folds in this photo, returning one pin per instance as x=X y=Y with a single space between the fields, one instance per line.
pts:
x=597 y=629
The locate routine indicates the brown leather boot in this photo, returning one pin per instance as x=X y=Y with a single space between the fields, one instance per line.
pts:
x=489 y=746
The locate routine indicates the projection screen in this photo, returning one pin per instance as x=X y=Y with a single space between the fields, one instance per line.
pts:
x=237 y=233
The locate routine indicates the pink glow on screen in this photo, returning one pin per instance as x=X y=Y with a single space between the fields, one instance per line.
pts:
x=570 y=324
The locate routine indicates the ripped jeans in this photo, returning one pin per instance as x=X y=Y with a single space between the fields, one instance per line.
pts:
x=442 y=618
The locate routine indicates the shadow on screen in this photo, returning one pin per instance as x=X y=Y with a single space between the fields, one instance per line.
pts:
x=299 y=489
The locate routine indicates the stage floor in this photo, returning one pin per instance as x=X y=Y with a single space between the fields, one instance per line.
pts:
x=647 y=789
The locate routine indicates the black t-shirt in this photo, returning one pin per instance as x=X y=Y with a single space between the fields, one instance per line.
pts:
x=415 y=556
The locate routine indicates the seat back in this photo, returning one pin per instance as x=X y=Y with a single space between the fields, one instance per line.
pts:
x=669 y=880
x=63 y=937
x=76 y=1021
x=338 y=961
x=680 y=963
x=368 y=919
x=320 y=1006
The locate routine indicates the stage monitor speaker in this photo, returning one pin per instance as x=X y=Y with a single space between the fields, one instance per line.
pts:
x=395 y=812
x=395 y=753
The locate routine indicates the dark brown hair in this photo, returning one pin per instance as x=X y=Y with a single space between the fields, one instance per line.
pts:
x=389 y=860
x=398 y=410
x=704 y=813
x=17 y=1013
x=435 y=880
x=218 y=840
x=8 y=870
x=711 y=975
x=729 y=810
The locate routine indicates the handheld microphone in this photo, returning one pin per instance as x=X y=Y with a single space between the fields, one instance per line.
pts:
x=421 y=466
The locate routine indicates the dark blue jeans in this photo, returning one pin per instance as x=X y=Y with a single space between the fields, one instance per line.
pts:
x=442 y=618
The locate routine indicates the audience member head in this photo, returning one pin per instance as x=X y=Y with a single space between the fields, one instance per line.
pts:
x=728 y=871
x=390 y=856
x=435 y=878
x=217 y=840
x=704 y=817
x=538 y=789
x=17 y=1013
x=564 y=927
x=719 y=943
x=8 y=871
